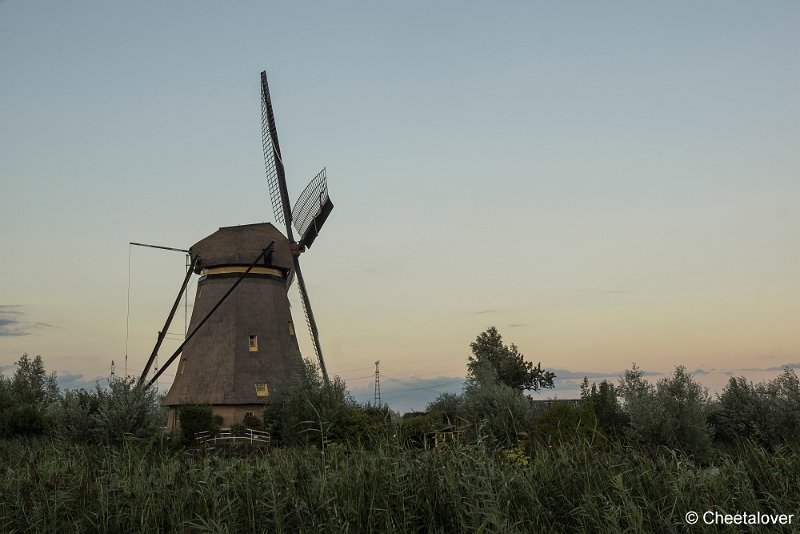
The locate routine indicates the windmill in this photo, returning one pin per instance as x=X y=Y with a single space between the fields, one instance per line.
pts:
x=241 y=342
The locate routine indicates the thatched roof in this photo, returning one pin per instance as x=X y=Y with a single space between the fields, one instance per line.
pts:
x=240 y=245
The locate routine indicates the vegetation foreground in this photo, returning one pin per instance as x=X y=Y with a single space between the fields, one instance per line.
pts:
x=633 y=457
x=47 y=486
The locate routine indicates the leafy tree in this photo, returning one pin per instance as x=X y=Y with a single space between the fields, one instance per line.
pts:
x=127 y=409
x=309 y=411
x=603 y=402
x=26 y=398
x=498 y=411
x=671 y=413
x=74 y=418
x=768 y=412
x=31 y=383
x=6 y=406
x=509 y=364
x=449 y=404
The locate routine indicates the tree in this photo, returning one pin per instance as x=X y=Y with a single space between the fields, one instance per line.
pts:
x=604 y=403
x=26 y=398
x=127 y=409
x=672 y=413
x=768 y=412
x=311 y=411
x=510 y=365
x=446 y=403
x=498 y=411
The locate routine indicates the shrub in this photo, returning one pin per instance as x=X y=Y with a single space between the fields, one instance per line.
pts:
x=673 y=413
x=497 y=412
x=417 y=429
x=26 y=399
x=311 y=411
x=603 y=402
x=194 y=418
x=768 y=412
x=449 y=404
x=565 y=421
x=251 y=421
x=75 y=415
x=126 y=409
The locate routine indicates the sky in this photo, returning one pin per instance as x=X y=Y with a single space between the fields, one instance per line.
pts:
x=606 y=183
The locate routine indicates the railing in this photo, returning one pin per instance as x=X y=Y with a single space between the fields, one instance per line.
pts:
x=225 y=436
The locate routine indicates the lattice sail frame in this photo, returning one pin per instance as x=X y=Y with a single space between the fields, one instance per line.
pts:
x=269 y=161
x=310 y=202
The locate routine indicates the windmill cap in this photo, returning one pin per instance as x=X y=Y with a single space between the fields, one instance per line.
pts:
x=240 y=245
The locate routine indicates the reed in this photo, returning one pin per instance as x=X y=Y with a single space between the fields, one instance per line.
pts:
x=49 y=486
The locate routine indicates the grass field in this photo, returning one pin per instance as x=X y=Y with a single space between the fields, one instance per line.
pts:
x=48 y=486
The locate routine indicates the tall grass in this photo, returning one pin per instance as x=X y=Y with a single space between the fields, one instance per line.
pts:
x=47 y=486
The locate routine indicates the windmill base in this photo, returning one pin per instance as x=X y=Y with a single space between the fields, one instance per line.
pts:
x=230 y=414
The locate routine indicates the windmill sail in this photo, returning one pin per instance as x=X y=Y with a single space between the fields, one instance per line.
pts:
x=279 y=197
x=276 y=175
x=312 y=209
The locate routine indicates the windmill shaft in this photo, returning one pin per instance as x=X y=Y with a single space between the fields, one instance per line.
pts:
x=312 y=324
x=210 y=313
x=164 y=330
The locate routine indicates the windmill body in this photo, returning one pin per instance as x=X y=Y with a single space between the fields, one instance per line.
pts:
x=248 y=346
x=241 y=342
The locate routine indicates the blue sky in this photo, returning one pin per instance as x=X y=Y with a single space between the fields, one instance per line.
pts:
x=605 y=183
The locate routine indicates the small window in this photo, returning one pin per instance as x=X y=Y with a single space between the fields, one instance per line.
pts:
x=262 y=390
x=253 y=343
x=291 y=328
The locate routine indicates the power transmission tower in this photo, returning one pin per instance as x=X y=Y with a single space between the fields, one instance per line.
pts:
x=112 y=369
x=377 y=398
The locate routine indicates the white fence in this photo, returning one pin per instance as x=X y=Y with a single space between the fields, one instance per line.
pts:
x=225 y=436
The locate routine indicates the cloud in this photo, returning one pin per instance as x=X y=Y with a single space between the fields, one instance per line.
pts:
x=566 y=374
x=13 y=323
x=75 y=381
x=794 y=365
x=781 y=367
x=409 y=394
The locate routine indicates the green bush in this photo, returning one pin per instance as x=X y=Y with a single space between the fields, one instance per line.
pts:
x=27 y=398
x=450 y=404
x=673 y=413
x=767 y=412
x=309 y=411
x=565 y=421
x=496 y=411
x=251 y=421
x=128 y=410
x=417 y=429
x=603 y=402
x=194 y=418
x=75 y=415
